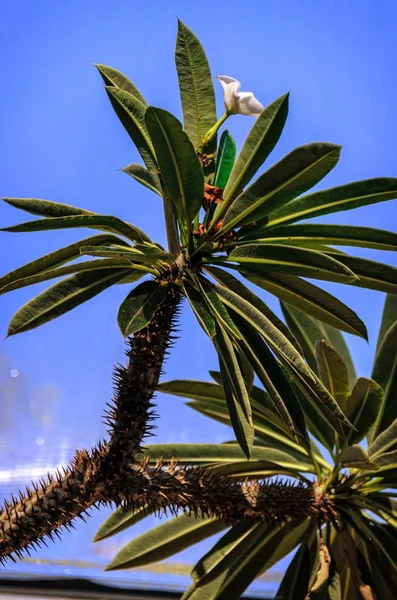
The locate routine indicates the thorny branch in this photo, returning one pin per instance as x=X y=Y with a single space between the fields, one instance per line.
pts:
x=109 y=473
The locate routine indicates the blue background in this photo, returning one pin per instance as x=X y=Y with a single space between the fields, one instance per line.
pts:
x=60 y=140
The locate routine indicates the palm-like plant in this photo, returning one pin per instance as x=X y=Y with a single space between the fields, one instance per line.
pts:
x=348 y=550
x=216 y=221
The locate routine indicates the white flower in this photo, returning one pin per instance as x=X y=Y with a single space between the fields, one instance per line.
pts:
x=236 y=102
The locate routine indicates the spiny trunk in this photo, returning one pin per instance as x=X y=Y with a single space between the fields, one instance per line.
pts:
x=90 y=478
x=108 y=474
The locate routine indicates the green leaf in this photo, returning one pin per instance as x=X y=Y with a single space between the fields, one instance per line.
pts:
x=144 y=177
x=62 y=297
x=198 y=390
x=107 y=223
x=224 y=554
x=236 y=394
x=131 y=112
x=335 y=235
x=261 y=140
x=201 y=454
x=225 y=158
x=295 y=584
x=308 y=330
x=389 y=318
x=333 y=372
x=179 y=165
x=90 y=265
x=139 y=307
x=275 y=338
x=266 y=434
x=114 y=78
x=387 y=461
x=295 y=261
x=229 y=281
x=294 y=174
x=195 y=84
x=343 y=197
x=165 y=540
x=385 y=374
x=272 y=378
x=57 y=258
x=216 y=306
x=200 y=309
x=385 y=440
x=122 y=518
x=370 y=274
x=46 y=208
x=363 y=407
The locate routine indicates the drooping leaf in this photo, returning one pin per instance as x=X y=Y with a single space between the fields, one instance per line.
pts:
x=384 y=441
x=62 y=297
x=363 y=407
x=343 y=197
x=57 y=258
x=385 y=374
x=90 y=265
x=121 y=519
x=275 y=338
x=165 y=540
x=104 y=222
x=195 y=84
x=46 y=208
x=139 y=307
x=236 y=394
x=216 y=306
x=144 y=177
x=200 y=309
x=261 y=140
x=226 y=453
x=296 y=173
x=308 y=329
x=197 y=390
x=272 y=378
x=389 y=317
x=234 y=284
x=279 y=258
x=225 y=158
x=371 y=274
x=333 y=372
x=224 y=554
x=295 y=584
x=179 y=165
x=113 y=77
x=131 y=112
x=334 y=235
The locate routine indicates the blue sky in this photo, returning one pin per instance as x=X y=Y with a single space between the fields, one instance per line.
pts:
x=60 y=140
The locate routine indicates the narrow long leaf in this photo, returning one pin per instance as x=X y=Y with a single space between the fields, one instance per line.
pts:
x=296 y=261
x=385 y=374
x=195 y=84
x=343 y=197
x=144 y=177
x=363 y=407
x=57 y=258
x=113 y=77
x=120 y=520
x=334 y=235
x=200 y=309
x=46 y=208
x=370 y=274
x=179 y=165
x=296 y=173
x=107 y=223
x=229 y=281
x=165 y=540
x=131 y=112
x=62 y=297
x=333 y=372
